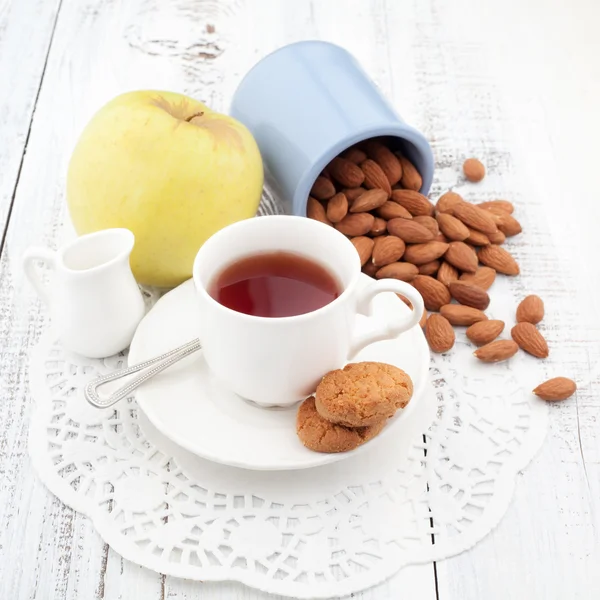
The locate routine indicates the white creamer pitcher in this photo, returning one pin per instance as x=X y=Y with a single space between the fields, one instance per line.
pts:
x=93 y=298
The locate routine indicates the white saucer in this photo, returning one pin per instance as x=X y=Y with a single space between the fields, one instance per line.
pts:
x=186 y=404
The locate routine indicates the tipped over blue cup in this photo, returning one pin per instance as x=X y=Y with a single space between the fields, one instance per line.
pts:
x=305 y=104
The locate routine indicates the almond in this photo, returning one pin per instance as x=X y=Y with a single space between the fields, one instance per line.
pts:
x=462 y=257
x=386 y=159
x=337 y=208
x=508 y=225
x=391 y=210
x=398 y=270
x=496 y=351
x=499 y=259
x=530 y=339
x=498 y=206
x=353 y=193
x=379 y=227
x=370 y=269
x=439 y=333
x=440 y=237
x=429 y=223
x=423 y=319
x=435 y=294
x=473 y=169
x=475 y=217
x=430 y=268
x=316 y=211
x=358 y=224
x=446 y=202
x=346 y=172
x=447 y=273
x=557 y=388
x=476 y=238
x=451 y=227
x=355 y=155
x=411 y=179
x=374 y=176
x=370 y=200
x=484 y=277
x=416 y=204
x=530 y=310
x=409 y=231
x=387 y=249
x=364 y=247
x=459 y=314
x=470 y=295
x=322 y=189
x=485 y=332
x=419 y=254
x=496 y=238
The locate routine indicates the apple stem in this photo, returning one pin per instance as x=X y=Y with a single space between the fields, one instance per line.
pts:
x=199 y=114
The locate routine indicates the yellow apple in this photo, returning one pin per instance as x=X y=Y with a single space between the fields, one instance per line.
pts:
x=169 y=169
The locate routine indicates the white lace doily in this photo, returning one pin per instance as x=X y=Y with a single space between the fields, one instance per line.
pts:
x=317 y=533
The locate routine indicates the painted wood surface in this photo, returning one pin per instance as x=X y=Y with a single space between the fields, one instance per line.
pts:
x=517 y=84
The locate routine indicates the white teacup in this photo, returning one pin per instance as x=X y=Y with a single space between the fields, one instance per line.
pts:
x=279 y=361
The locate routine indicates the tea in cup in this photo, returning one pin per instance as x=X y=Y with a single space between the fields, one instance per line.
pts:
x=278 y=298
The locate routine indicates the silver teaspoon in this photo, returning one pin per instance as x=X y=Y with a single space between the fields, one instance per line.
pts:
x=162 y=362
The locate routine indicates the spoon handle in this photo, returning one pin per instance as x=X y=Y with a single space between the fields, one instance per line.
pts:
x=160 y=363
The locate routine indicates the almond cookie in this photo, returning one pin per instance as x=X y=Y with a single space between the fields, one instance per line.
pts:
x=320 y=435
x=362 y=394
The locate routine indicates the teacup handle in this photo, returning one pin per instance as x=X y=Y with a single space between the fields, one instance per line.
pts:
x=394 y=328
x=31 y=256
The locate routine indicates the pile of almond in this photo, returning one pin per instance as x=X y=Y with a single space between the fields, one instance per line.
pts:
x=450 y=252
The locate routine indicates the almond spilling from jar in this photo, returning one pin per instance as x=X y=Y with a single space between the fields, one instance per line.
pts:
x=411 y=178
x=429 y=223
x=459 y=314
x=386 y=159
x=469 y=295
x=346 y=172
x=409 y=231
x=485 y=332
x=322 y=189
x=368 y=201
x=497 y=351
x=435 y=294
x=337 y=208
x=446 y=202
x=374 y=177
x=475 y=217
x=414 y=202
x=556 y=389
x=387 y=249
x=439 y=333
x=357 y=224
x=530 y=339
x=484 y=277
x=498 y=206
x=390 y=210
x=530 y=310
x=498 y=259
x=419 y=254
x=430 y=268
x=315 y=210
x=462 y=257
x=447 y=273
x=451 y=227
x=398 y=270
x=364 y=247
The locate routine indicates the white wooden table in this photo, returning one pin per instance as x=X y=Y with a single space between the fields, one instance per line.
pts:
x=516 y=83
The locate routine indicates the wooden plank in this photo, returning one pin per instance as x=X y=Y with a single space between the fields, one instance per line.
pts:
x=24 y=45
x=485 y=83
